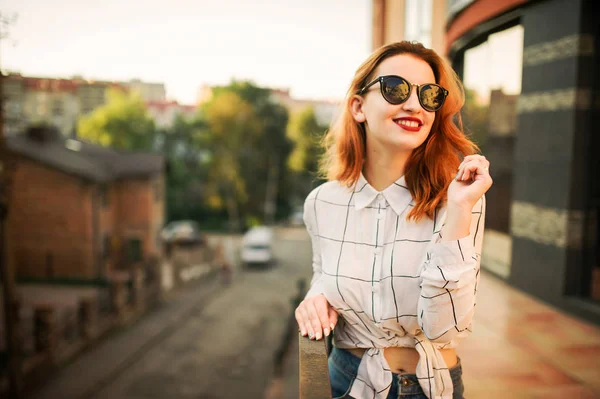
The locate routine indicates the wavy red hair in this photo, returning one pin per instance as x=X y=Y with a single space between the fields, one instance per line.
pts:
x=432 y=166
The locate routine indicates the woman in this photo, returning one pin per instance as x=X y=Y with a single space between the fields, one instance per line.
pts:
x=397 y=231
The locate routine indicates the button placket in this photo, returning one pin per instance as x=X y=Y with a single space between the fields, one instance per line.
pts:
x=378 y=254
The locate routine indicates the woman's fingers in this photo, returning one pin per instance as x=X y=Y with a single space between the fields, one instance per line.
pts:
x=471 y=166
x=315 y=321
x=333 y=317
x=301 y=318
x=315 y=318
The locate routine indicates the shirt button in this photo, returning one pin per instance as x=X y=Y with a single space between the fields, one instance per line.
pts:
x=378 y=250
x=374 y=288
x=380 y=215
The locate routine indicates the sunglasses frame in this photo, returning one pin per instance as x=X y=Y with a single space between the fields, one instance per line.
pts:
x=380 y=79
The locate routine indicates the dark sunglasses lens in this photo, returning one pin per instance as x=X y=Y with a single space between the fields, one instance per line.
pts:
x=395 y=89
x=432 y=97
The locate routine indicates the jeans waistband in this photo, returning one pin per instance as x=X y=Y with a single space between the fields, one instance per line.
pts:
x=350 y=363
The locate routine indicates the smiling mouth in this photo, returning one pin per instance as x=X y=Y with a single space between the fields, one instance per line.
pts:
x=408 y=124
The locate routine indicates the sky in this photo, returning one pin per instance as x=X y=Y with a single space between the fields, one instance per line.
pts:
x=311 y=47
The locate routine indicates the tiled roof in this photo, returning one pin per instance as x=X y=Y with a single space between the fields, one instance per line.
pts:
x=86 y=160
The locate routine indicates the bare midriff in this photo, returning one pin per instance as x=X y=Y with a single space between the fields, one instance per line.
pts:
x=404 y=360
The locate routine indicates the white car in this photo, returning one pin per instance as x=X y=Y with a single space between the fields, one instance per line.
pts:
x=257 y=246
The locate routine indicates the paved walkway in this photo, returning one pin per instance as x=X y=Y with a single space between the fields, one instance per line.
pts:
x=520 y=348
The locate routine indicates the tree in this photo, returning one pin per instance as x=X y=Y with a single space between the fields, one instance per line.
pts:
x=306 y=134
x=184 y=145
x=249 y=151
x=122 y=123
x=233 y=126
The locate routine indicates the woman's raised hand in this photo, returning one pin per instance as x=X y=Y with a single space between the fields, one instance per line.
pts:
x=472 y=181
x=316 y=317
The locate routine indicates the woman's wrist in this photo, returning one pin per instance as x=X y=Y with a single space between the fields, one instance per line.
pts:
x=458 y=222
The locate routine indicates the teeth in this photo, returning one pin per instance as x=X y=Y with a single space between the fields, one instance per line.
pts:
x=408 y=123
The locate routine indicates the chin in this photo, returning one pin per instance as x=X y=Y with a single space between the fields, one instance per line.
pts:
x=406 y=143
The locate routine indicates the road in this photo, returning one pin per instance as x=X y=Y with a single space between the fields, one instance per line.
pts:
x=205 y=341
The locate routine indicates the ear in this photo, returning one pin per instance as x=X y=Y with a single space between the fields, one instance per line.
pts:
x=356 y=108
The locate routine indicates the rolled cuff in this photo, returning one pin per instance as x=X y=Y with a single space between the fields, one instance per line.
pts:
x=453 y=254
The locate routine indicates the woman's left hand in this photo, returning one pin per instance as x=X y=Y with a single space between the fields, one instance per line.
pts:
x=472 y=181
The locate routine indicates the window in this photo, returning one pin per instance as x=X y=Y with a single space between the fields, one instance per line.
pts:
x=134 y=250
x=419 y=14
x=105 y=195
x=57 y=109
x=106 y=246
x=492 y=79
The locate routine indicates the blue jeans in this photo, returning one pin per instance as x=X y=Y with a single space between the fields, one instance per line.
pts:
x=343 y=368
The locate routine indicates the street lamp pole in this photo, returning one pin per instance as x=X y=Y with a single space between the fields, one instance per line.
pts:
x=15 y=380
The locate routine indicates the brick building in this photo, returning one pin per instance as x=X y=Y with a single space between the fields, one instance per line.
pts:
x=80 y=211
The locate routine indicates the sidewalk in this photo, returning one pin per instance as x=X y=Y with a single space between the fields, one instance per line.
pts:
x=520 y=348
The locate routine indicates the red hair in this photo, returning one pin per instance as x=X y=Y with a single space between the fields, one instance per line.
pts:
x=432 y=166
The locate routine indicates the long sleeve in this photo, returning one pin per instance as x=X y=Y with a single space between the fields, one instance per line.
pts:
x=449 y=279
x=310 y=221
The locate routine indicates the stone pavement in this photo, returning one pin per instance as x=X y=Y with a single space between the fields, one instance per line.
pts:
x=96 y=367
x=520 y=349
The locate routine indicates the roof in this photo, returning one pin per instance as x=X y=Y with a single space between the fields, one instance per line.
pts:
x=86 y=160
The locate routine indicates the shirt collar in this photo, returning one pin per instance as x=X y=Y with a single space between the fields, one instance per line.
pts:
x=396 y=194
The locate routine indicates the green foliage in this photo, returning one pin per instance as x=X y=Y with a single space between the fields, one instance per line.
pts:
x=247 y=140
x=122 y=123
x=306 y=133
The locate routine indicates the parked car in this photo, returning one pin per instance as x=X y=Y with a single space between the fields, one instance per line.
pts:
x=257 y=246
x=182 y=232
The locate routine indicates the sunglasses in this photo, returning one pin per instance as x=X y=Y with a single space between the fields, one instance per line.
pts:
x=396 y=90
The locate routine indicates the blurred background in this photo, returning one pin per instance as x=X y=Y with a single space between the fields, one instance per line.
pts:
x=155 y=157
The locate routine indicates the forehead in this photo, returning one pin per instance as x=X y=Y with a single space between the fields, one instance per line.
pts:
x=413 y=69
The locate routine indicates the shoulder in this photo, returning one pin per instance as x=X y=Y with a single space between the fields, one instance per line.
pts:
x=321 y=199
x=331 y=191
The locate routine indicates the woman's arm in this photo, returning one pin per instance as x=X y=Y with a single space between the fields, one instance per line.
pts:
x=314 y=315
x=450 y=276
x=310 y=221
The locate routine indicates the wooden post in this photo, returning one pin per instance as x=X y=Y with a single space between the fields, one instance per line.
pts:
x=138 y=288
x=314 y=372
x=118 y=297
x=88 y=318
x=45 y=329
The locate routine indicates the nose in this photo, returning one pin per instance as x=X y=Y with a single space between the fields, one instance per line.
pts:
x=412 y=104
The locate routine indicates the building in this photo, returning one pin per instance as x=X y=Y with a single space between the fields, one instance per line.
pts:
x=60 y=102
x=325 y=111
x=149 y=92
x=531 y=69
x=164 y=113
x=79 y=211
x=419 y=20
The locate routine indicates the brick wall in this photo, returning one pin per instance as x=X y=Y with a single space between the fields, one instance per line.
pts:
x=139 y=213
x=62 y=226
x=50 y=223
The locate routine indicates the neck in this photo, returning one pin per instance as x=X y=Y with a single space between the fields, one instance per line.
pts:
x=383 y=167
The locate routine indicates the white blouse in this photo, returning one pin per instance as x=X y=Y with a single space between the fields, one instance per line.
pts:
x=393 y=282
